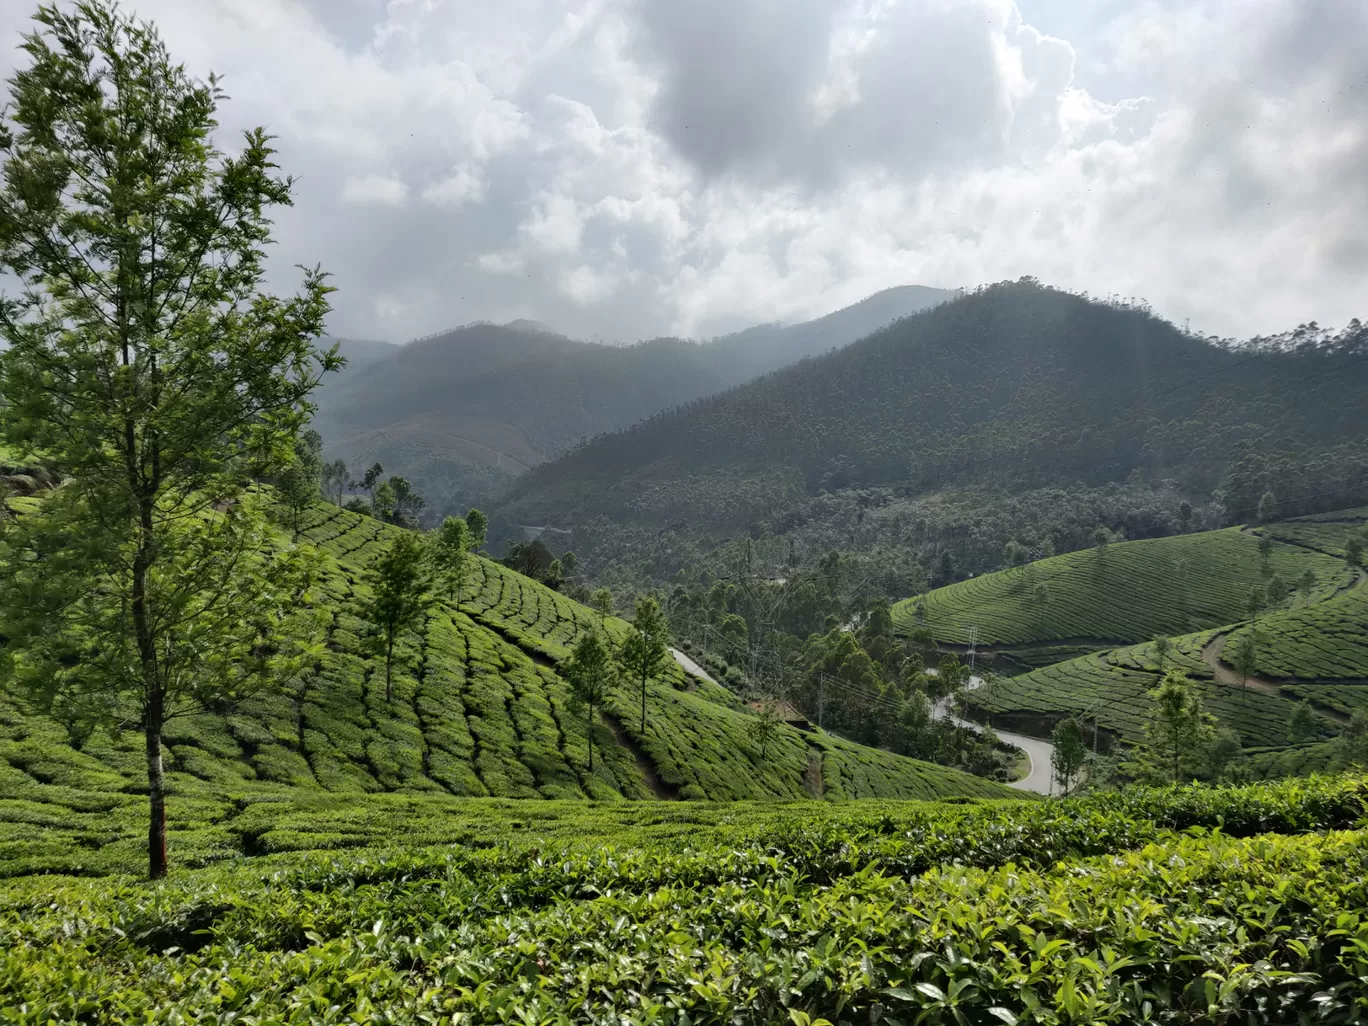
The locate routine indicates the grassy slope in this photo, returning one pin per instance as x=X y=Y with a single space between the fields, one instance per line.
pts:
x=1112 y=686
x=1130 y=592
x=478 y=711
x=1315 y=650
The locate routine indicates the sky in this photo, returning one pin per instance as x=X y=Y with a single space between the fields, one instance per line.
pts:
x=623 y=169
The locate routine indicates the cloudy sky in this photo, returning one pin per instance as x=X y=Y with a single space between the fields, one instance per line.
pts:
x=630 y=168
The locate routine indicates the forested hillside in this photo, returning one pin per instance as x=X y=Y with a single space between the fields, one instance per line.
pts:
x=1015 y=390
x=465 y=410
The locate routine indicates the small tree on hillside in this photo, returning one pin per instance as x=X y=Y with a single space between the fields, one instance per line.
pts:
x=1276 y=592
x=335 y=480
x=147 y=363
x=1014 y=555
x=646 y=652
x=1266 y=551
x=407 y=503
x=1255 y=602
x=1184 y=515
x=451 y=556
x=1306 y=584
x=764 y=726
x=602 y=603
x=382 y=502
x=1177 y=730
x=371 y=481
x=1353 y=552
x=1245 y=657
x=1352 y=744
x=1268 y=507
x=591 y=675
x=1070 y=753
x=1162 y=644
x=1302 y=726
x=298 y=485
x=477 y=525
x=400 y=583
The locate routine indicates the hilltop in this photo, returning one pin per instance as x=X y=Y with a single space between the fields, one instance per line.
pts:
x=1015 y=393
x=465 y=410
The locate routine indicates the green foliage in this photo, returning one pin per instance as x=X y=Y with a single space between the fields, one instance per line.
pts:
x=298 y=486
x=400 y=582
x=477 y=524
x=592 y=675
x=451 y=558
x=1167 y=906
x=645 y=652
x=1164 y=586
x=1177 y=732
x=1070 y=753
x=145 y=361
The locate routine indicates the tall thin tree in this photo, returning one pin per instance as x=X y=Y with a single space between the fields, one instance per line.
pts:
x=646 y=650
x=146 y=362
x=400 y=583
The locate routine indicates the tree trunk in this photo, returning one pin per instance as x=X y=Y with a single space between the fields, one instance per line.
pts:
x=389 y=662
x=643 y=705
x=156 y=790
x=154 y=707
x=589 y=732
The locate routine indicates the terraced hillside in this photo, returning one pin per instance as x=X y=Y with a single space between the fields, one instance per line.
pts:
x=1112 y=687
x=1128 y=592
x=478 y=710
x=1315 y=648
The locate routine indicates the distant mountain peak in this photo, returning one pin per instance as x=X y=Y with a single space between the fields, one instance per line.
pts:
x=528 y=325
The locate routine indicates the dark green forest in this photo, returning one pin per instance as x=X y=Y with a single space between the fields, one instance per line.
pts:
x=1019 y=404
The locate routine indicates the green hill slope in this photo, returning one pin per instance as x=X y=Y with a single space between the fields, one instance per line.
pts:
x=1129 y=592
x=478 y=710
x=1315 y=648
x=1111 y=687
x=1015 y=385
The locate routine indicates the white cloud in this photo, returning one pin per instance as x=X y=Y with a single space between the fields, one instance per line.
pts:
x=464 y=185
x=628 y=168
x=382 y=189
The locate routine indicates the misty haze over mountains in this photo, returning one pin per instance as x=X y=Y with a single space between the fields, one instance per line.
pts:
x=462 y=412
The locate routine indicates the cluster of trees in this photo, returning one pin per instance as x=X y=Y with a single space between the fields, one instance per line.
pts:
x=413 y=571
x=533 y=559
x=306 y=479
x=821 y=638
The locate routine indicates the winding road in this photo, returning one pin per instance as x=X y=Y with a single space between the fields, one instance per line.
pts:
x=1040 y=754
x=690 y=667
x=1039 y=777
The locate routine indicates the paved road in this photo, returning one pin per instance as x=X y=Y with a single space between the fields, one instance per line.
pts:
x=690 y=666
x=1040 y=777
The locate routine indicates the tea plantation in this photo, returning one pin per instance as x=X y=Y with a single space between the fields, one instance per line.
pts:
x=1128 y=592
x=1113 y=687
x=1241 y=904
x=1327 y=641
x=478 y=710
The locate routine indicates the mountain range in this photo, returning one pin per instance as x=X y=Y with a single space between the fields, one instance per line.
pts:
x=463 y=412
x=1008 y=391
